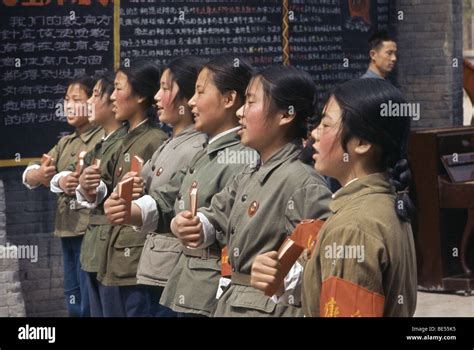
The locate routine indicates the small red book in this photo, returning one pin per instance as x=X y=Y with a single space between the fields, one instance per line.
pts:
x=80 y=161
x=125 y=191
x=303 y=237
x=46 y=159
x=137 y=165
x=193 y=197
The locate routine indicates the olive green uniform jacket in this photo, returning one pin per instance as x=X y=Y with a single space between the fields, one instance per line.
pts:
x=119 y=259
x=99 y=226
x=256 y=212
x=72 y=220
x=161 y=251
x=365 y=263
x=193 y=283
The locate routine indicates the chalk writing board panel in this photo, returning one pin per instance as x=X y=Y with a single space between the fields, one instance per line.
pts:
x=41 y=48
x=161 y=30
x=329 y=39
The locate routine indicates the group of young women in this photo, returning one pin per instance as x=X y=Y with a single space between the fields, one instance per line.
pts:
x=236 y=140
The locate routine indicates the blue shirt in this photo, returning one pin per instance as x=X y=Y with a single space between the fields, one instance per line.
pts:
x=371 y=74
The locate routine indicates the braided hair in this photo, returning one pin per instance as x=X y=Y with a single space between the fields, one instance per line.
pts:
x=361 y=102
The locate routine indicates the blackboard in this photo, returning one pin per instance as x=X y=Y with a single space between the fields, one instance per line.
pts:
x=327 y=38
x=248 y=28
x=41 y=48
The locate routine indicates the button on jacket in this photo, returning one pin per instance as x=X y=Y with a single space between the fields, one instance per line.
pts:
x=70 y=220
x=161 y=251
x=99 y=226
x=123 y=247
x=255 y=214
x=365 y=263
x=193 y=283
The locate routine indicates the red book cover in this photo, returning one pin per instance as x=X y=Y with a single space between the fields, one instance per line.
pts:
x=137 y=164
x=46 y=159
x=80 y=161
x=303 y=237
x=193 y=197
x=125 y=191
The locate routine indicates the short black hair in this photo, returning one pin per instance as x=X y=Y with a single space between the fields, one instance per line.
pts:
x=86 y=82
x=107 y=84
x=289 y=87
x=144 y=78
x=377 y=39
x=229 y=73
x=184 y=71
x=361 y=101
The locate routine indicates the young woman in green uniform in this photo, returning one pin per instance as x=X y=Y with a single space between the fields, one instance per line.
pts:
x=262 y=206
x=219 y=93
x=364 y=262
x=71 y=220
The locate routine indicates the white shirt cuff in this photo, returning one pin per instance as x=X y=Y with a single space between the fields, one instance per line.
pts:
x=149 y=211
x=101 y=192
x=54 y=184
x=82 y=200
x=23 y=177
x=209 y=231
x=292 y=283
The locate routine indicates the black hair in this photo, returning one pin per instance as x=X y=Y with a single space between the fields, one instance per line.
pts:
x=291 y=90
x=85 y=81
x=106 y=83
x=377 y=38
x=230 y=73
x=184 y=71
x=144 y=78
x=361 y=102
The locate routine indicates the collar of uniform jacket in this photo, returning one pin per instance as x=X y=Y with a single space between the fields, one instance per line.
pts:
x=183 y=136
x=223 y=142
x=290 y=150
x=373 y=183
x=131 y=135
x=87 y=135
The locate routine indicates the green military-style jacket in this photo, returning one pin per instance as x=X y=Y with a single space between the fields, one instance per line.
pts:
x=173 y=155
x=365 y=262
x=161 y=251
x=122 y=249
x=71 y=220
x=192 y=286
x=255 y=213
x=99 y=226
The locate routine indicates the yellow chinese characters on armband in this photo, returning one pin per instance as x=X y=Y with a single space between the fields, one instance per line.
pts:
x=341 y=298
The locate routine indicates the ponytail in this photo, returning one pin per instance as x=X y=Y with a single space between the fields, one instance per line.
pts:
x=400 y=178
x=361 y=101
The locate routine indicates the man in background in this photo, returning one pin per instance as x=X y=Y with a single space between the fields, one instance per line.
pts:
x=383 y=55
